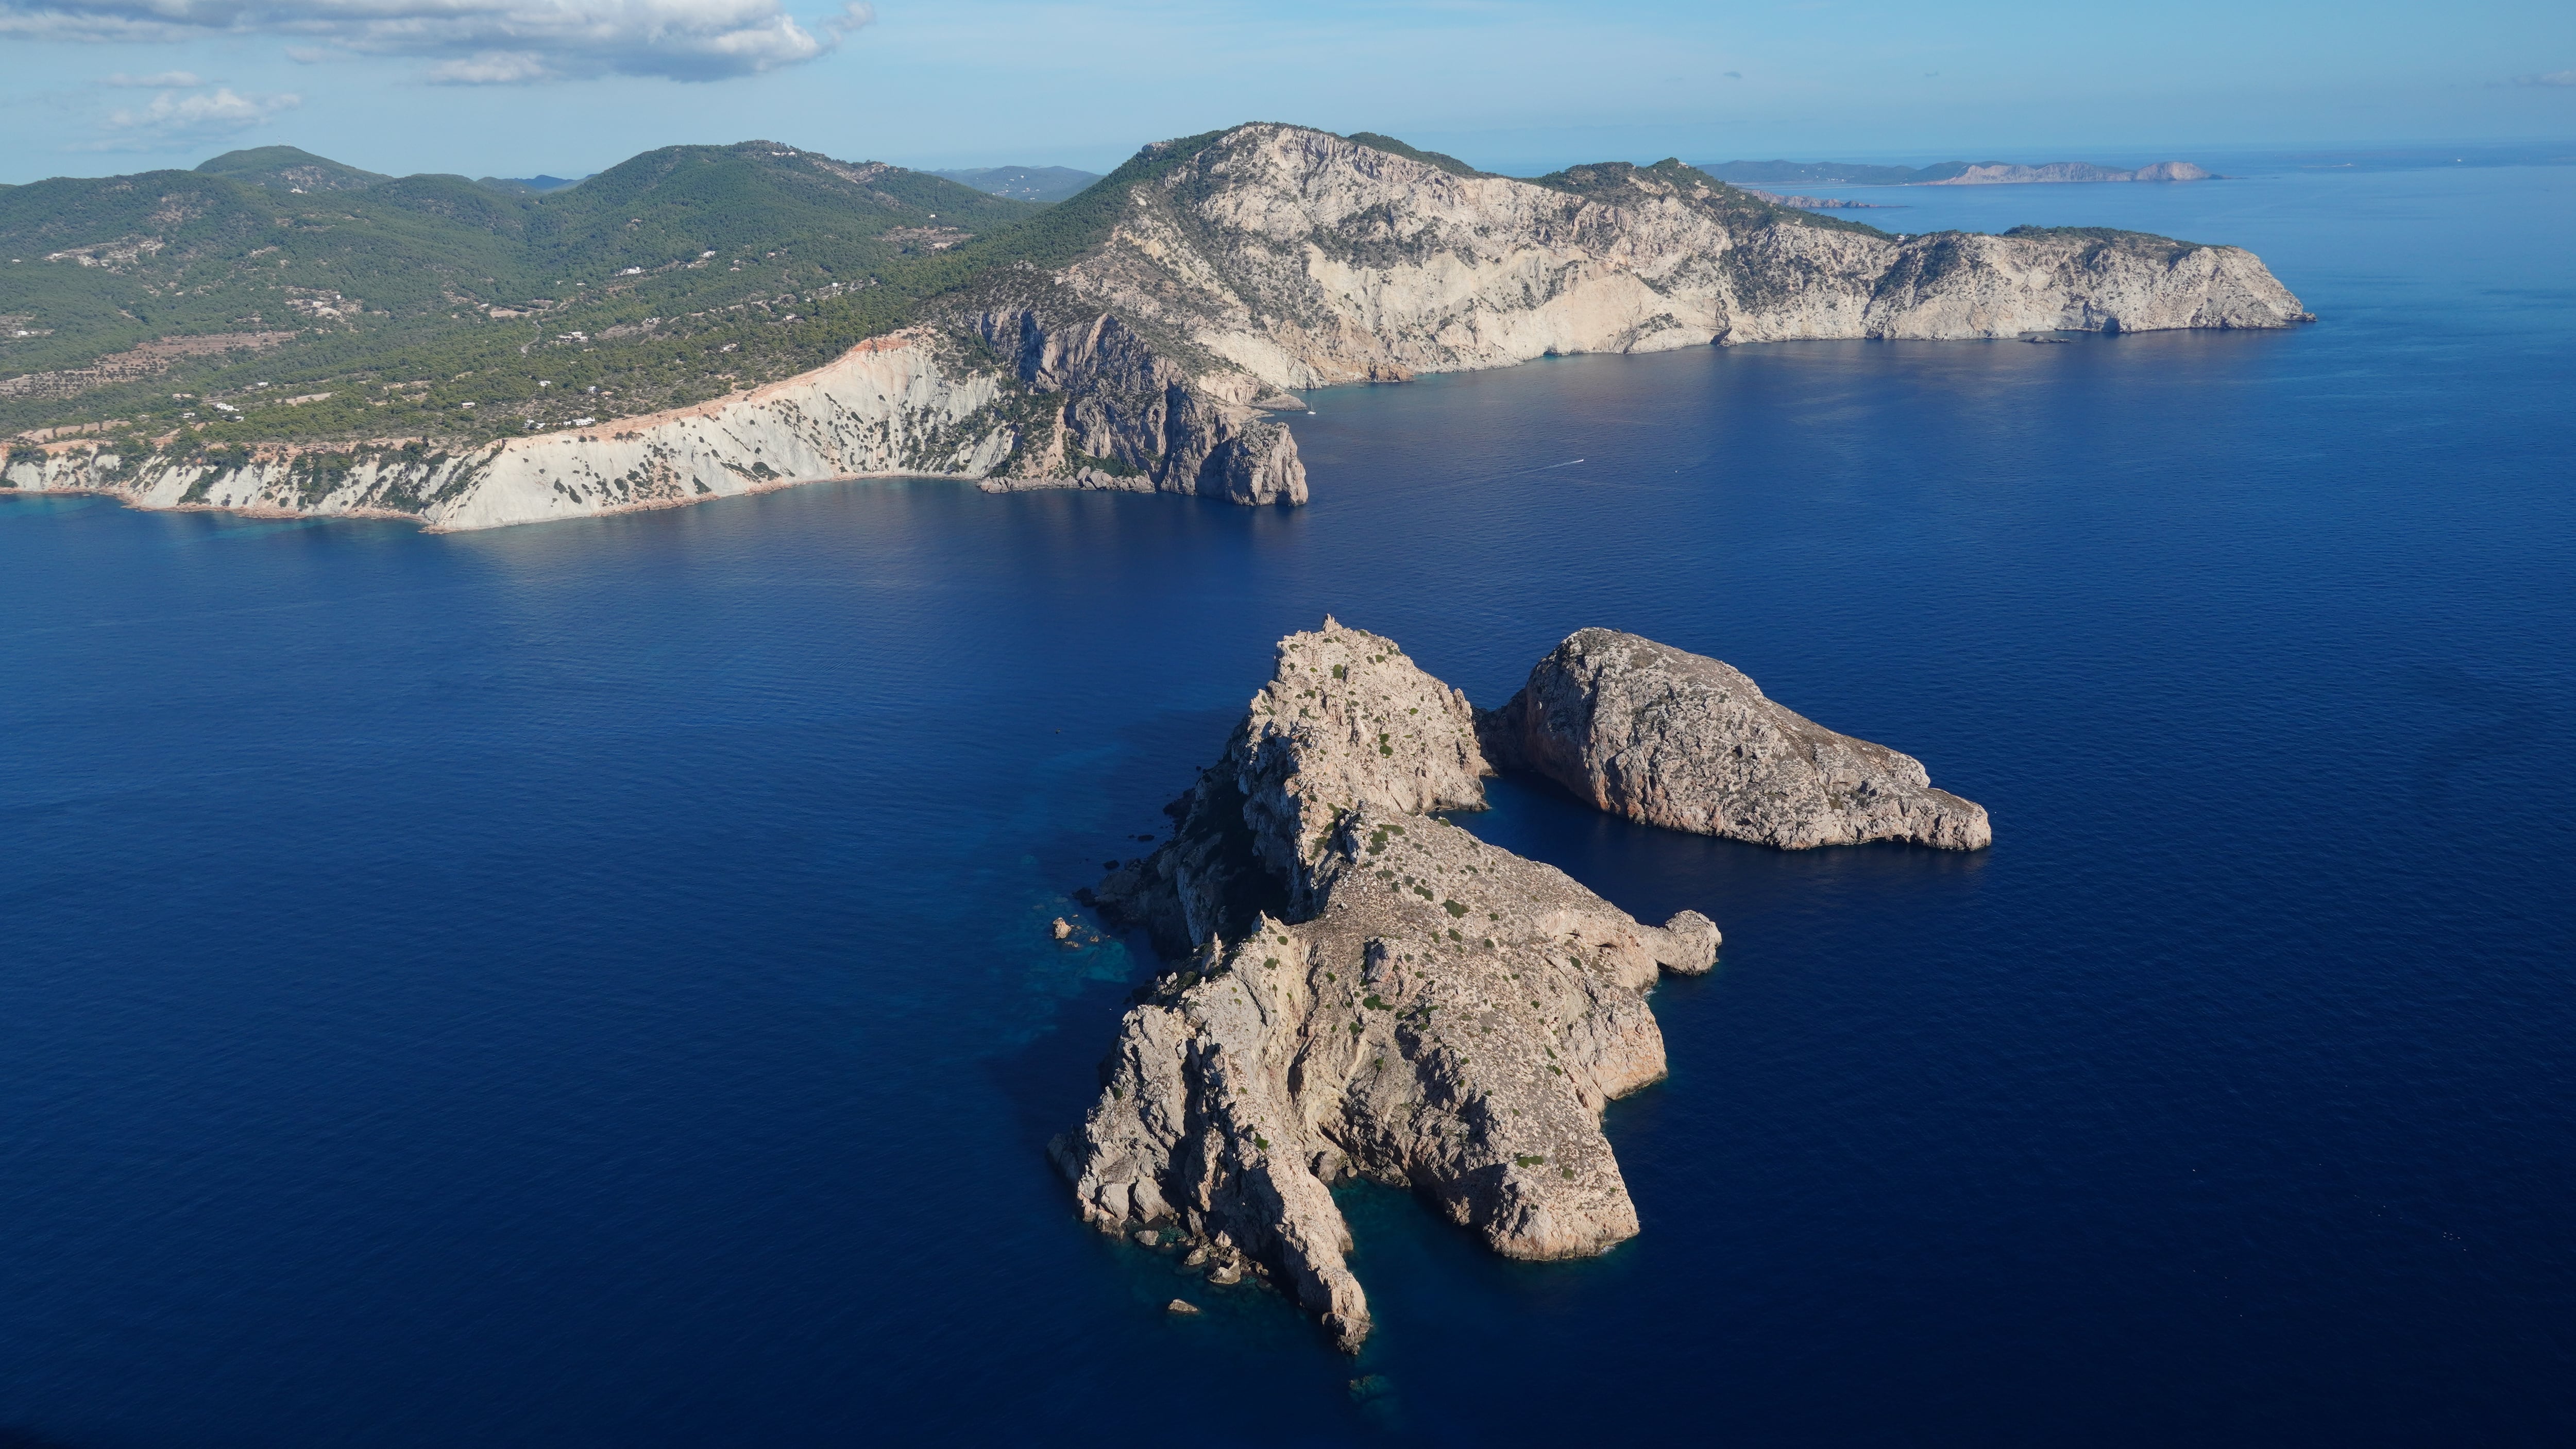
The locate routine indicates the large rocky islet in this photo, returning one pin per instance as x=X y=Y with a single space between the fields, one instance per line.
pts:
x=1360 y=988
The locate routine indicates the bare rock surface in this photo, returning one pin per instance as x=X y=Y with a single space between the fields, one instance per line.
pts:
x=1689 y=743
x=1400 y=1000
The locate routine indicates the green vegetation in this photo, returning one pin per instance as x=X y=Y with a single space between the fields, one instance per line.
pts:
x=1450 y=164
x=432 y=306
x=276 y=296
x=2164 y=248
x=1617 y=181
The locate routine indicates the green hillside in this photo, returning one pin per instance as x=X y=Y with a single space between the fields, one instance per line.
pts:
x=673 y=277
x=276 y=295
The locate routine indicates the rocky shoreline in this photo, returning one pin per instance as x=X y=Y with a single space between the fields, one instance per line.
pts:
x=1232 y=269
x=1360 y=988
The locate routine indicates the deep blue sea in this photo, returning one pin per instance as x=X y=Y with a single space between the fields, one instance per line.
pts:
x=587 y=984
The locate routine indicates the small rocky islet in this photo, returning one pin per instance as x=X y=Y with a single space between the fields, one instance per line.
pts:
x=1359 y=988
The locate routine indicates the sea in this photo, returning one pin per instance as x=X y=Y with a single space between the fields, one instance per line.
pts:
x=590 y=983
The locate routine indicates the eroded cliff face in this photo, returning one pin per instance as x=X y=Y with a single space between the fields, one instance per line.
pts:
x=923 y=402
x=1306 y=260
x=1373 y=991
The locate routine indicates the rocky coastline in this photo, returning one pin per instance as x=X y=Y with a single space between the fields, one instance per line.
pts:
x=1359 y=988
x=1229 y=270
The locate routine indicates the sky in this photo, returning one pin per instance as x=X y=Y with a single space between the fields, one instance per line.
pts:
x=568 y=87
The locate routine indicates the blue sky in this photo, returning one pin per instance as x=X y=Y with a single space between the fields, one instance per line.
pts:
x=517 y=87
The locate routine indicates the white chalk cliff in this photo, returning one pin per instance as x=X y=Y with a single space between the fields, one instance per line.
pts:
x=1225 y=270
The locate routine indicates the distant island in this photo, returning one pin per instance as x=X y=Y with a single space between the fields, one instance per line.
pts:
x=1826 y=203
x=1024 y=183
x=1948 y=173
x=281 y=333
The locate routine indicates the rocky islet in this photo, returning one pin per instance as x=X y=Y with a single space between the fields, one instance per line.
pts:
x=1363 y=989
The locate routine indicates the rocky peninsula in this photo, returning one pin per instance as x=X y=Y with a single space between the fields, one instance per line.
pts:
x=1362 y=989
x=1143 y=336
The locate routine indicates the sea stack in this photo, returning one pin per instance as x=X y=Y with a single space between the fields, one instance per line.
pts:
x=1689 y=743
x=1370 y=991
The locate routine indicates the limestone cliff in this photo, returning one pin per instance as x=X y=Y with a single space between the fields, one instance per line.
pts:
x=1305 y=259
x=1688 y=743
x=922 y=402
x=1372 y=992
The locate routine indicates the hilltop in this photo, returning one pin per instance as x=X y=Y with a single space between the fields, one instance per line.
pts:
x=432 y=292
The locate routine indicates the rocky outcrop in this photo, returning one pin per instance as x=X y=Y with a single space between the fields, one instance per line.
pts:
x=1132 y=417
x=1689 y=743
x=1369 y=991
x=1305 y=259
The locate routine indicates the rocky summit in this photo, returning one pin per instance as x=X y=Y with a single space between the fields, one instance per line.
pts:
x=1689 y=743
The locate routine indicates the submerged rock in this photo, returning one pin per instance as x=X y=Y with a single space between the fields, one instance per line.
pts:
x=1370 y=991
x=1688 y=743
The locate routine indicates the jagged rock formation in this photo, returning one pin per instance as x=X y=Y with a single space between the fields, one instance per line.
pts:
x=1305 y=259
x=1373 y=991
x=1139 y=343
x=1688 y=743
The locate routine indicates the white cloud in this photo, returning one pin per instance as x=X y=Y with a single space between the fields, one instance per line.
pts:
x=179 y=116
x=492 y=68
x=164 y=81
x=2553 y=78
x=476 y=41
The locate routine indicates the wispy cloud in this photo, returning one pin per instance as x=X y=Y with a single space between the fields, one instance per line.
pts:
x=165 y=80
x=176 y=116
x=2553 y=78
x=476 y=41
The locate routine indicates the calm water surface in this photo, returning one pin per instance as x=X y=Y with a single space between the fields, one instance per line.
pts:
x=587 y=984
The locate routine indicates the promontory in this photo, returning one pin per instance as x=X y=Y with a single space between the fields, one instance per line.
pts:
x=626 y=343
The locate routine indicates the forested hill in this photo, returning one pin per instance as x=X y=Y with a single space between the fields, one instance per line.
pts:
x=675 y=276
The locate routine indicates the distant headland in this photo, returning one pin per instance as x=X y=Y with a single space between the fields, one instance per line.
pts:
x=1948 y=173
